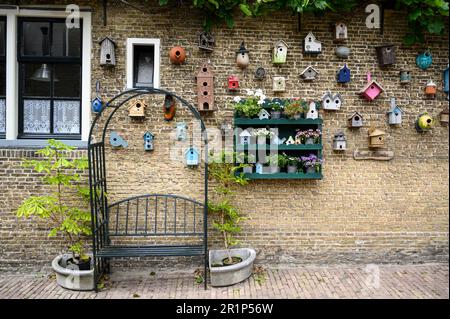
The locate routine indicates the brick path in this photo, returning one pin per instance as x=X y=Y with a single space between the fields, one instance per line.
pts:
x=343 y=281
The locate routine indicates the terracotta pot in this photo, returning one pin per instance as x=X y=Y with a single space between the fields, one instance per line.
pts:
x=169 y=108
x=177 y=55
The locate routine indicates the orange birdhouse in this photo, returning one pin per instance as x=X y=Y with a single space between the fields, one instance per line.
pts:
x=430 y=89
x=169 y=108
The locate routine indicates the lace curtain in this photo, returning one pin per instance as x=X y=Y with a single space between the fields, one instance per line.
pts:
x=36 y=116
x=2 y=116
x=66 y=117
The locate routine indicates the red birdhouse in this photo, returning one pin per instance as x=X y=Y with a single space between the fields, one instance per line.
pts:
x=233 y=82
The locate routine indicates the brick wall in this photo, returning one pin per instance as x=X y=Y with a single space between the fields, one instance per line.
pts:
x=362 y=211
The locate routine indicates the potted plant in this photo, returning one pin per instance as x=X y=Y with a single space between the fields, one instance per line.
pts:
x=311 y=163
x=248 y=160
x=300 y=137
x=275 y=109
x=228 y=266
x=275 y=163
x=74 y=269
x=312 y=136
x=294 y=109
x=263 y=135
x=291 y=163
x=250 y=106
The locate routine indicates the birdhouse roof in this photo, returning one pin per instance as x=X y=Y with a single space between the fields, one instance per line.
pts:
x=191 y=149
x=345 y=67
x=445 y=110
x=340 y=136
x=340 y=22
x=312 y=36
x=369 y=84
x=309 y=68
x=107 y=38
x=149 y=133
x=393 y=108
x=263 y=111
x=281 y=42
x=354 y=114
x=233 y=78
x=133 y=103
x=376 y=132
x=245 y=133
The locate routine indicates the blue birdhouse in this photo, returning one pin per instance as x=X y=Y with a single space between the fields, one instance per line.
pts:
x=192 y=157
x=343 y=76
x=97 y=105
x=148 y=141
x=117 y=141
x=424 y=60
x=446 y=81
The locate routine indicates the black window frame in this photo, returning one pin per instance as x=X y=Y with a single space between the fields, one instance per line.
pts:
x=3 y=60
x=51 y=61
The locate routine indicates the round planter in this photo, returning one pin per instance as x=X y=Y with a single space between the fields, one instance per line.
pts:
x=177 y=55
x=229 y=275
x=73 y=279
x=291 y=169
x=309 y=141
x=275 y=114
x=342 y=52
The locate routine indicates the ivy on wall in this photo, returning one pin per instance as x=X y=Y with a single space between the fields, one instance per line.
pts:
x=424 y=16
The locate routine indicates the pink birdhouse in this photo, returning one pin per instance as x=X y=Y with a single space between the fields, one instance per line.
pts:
x=372 y=89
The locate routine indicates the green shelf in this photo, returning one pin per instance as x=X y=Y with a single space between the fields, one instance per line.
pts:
x=284 y=176
x=245 y=121
x=282 y=147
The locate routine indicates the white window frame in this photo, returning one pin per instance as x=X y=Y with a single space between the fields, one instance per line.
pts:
x=131 y=43
x=12 y=75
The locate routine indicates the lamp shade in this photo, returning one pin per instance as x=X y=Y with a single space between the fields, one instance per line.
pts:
x=43 y=74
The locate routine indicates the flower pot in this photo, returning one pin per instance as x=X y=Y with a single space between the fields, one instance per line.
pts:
x=310 y=170
x=247 y=169
x=309 y=140
x=275 y=114
x=70 y=277
x=297 y=116
x=291 y=169
x=229 y=275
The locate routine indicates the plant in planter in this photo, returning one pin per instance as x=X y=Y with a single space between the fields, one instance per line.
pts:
x=292 y=163
x=295 y=109
x=311 y=163
x=227 y=266
x=312 y=136
x=263 y=135
x=72 y=222
x=275 y=109
x=276 y=162
x=250 y=106
x=248 y=160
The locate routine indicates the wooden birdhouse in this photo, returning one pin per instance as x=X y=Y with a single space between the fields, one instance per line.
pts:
x=117 y=141
x=443 y=116
x=242 y=58
x=233 y=82
x=264 y=115
x=339 y=142
x=445 y=76
x=148 y=141
x=309 y=73
x=192 y=157
x=181 y=131
x=290 y=141
x=206 y=41
x=245 y=137
x=395 y=113
x=279 y=52
x=312 y=45
x=331 y=102
x=385 y=54
x=405 y=76
x=355 y=120
x=279 y=84
x=376 y=138
x=372 y=89
x=430 y=89
x=205 y=88
x=137 y=109
x=343 y=76
x=341 y=31
x=107 y=52
x=312 y=111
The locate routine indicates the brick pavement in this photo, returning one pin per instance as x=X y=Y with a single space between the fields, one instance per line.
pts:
x=331 y=281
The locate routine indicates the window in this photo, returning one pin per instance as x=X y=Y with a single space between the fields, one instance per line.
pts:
x=49 y=56
x=143 y=63
x=2 y=77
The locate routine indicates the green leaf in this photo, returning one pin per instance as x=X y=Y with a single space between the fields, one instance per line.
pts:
x=230 y=22
x=415 y=14
x=436 y=26
x=163 y=2
x=245 y=9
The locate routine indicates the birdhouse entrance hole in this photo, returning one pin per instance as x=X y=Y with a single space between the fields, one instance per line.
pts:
x=356 y=118
x=205 y=69
x=205 y=84
x=206 y=106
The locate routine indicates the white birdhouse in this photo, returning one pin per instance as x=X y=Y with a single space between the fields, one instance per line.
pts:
x=107 y=52
x=339 y=142
x=395 y=113
x=259 y=168
x=312 y=45
x=279 y=84
x=263 y=115
x=309 y=74
x=355 y=120
x=290 y=141
x=312 y=111
x=279 y=52
x=331 y=102
x=245 y=137
x=341 y=31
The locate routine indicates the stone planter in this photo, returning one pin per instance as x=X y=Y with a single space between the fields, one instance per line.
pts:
x=230 y=275
x=310 y=170
x=248 y=169
x=73 y=279
x=309 y=140
x=292 y=169
x=275 y=114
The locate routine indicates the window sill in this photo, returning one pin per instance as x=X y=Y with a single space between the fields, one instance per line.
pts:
x=39 y=143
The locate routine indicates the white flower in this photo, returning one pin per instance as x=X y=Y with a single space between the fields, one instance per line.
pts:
x=260 y=102
x=250 y=92
x=259 y=92
x=237 y=99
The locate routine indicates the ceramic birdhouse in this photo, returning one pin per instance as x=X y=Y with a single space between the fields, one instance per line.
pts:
x=137 y=109
x=233 y=82
x=342 y=52
x=245 y=137
x=430 y=89
x=264 y=115
x=205 y=88
x=260 y=74
x=443 y=116
x=424 y=60
x=372 y=89
x=445 y=78
x=405 y=76
x=290 y=141
x=177 y=55
x=97 y=105
x=206 y=41
x=117 y=141
x=192 y=157
x=312 y=45
x=395 y=113
x=339 y=142
x=107 y=52
x=169 y=107
x=259 y=168
x=181 y=131
x=148 y=141
x=242 y=58
x=331 y=102
x=424 y=122
x=355 y=120
x=309 y=74
x=376 y=138
x=279 y=52
x=385 y=54
x=312 y=111
x=279 y=84
x=340 y=31
x=343 y=76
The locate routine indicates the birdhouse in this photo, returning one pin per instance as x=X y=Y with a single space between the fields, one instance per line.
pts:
x=309 y=74
x=376 y=138
x=444 y=116
x=107 y=52
x=405 y=76
x=424 y=122
x=386 y=54
x=279 y=52
x=276 y=140
x=181 y=131
x=395 y=113
x=192 y=157
x=245 y=137
x=343 y=76
x=430 y=89
x=242 y=58
x=424 y=60
x=342 y=52
x=260 y=74
x=339 y=142
x=206 y=41
x=372 y=89
x=279 y=84
x=169 y=107
x=355 y=120
x=259 y=168
x=233 y=82
x=445 y=76
x=148 y=141
x=97 y=105
x=137 y=109
x=341 y=31
x=290 y=141
x=331 y=102
x=264 y=115
x=312 y=45
x=205 y=88
x=312 y=111
x=117 y=141
x=177 y=55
